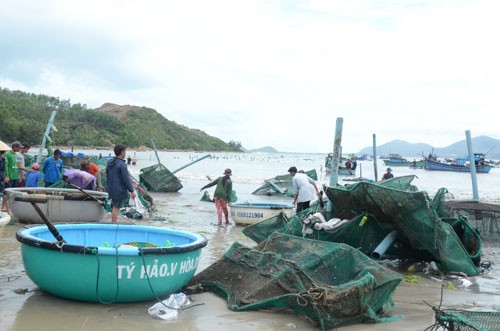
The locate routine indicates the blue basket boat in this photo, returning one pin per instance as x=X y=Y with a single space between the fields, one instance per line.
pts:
x=110 y=262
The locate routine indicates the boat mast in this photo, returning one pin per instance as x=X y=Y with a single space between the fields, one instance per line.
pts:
x=45 y=137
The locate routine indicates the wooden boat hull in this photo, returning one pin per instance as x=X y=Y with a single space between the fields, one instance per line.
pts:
x=439 y=166
x=63 y=205
x=411 y=164
x=91 y=266
x=245 y=213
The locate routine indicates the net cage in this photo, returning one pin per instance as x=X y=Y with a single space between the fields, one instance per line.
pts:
x=157 y=178
x=330 y=284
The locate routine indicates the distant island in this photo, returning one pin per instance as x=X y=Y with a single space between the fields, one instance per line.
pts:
x=482 y=144
x=266 y=149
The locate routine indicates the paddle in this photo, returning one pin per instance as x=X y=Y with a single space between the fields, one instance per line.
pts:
x=52 y=228
x=90 y=195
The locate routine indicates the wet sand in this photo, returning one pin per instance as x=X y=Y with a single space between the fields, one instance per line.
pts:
x=38 y=310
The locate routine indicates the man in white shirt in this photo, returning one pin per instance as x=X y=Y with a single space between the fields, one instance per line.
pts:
x=21 y=165
x=302 y=190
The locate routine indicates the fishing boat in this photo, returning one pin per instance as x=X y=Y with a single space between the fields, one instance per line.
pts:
x=59 y=204
x=459 y=164
x=342 y=170
x=245 y=213
x=106 y=263
x=395 y=160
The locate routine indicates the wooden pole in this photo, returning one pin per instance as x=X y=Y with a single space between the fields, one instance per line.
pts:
x=375 y=156
x=472 y=165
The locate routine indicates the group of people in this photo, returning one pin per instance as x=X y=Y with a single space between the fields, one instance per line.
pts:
x=14 y=173
x=132 y=160
x=302 y=191
x=351 y=165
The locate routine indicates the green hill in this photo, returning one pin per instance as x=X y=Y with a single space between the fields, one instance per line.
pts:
x=24 y=116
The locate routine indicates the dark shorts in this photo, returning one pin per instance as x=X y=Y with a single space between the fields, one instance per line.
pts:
x=47 y=184
x=118 y=203
x=12 y=183
x=302 y=206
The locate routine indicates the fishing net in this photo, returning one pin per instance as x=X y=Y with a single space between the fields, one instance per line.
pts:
x=281 y=184
x=330 y=284
x=157 y=178
x=483 y=217
x=73 y=161
x=371 y=212
x=403 y=183
x=451 y=242
x=464 y=320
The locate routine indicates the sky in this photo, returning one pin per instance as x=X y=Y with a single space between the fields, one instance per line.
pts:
x=269 y=73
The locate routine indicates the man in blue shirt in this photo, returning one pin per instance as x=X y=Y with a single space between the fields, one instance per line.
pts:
x=52 y=168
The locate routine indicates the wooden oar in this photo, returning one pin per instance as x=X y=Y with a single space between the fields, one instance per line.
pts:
x=51 y=227
x=90 y=195
x=34 y=201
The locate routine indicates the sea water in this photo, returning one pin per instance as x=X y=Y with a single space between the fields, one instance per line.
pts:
x=251 y=169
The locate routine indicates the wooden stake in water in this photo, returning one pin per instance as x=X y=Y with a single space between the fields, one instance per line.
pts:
x=472 y=165
x=375 y=156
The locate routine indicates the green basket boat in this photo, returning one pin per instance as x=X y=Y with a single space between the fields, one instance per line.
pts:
x=110 y=263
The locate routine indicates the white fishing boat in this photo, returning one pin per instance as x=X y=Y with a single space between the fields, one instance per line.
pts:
x=245 y=213
x=58 y=204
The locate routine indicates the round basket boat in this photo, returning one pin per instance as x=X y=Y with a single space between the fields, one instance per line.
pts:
x=110 y=262
x=61 y=204
x=246 y=213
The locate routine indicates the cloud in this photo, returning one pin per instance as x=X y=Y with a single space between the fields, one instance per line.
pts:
x=269 y=72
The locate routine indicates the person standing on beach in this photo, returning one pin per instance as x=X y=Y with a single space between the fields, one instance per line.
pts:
x=21 y=164
x=52 y=168
x=302 y=189
x=388 y=174
x=119 y=184
x=222 y=194
x=11 y=172
x=3 y=148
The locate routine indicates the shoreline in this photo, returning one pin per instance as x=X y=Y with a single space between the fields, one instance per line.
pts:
x=137 y=149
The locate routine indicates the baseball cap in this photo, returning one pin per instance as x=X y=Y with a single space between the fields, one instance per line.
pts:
x=17 y=144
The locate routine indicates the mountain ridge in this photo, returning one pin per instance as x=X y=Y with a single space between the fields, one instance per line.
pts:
x=480 y=144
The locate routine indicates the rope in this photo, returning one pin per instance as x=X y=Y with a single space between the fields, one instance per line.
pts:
x=154 y=292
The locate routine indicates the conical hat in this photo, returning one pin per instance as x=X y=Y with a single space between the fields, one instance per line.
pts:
x=4 y=146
